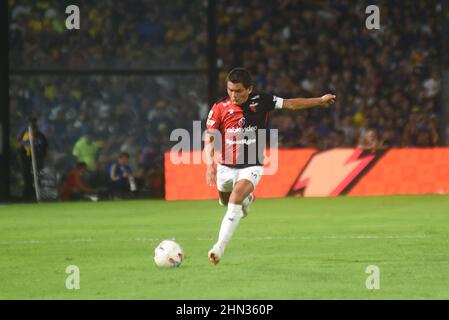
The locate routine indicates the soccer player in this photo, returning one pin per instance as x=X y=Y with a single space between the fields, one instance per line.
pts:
x=238 y=118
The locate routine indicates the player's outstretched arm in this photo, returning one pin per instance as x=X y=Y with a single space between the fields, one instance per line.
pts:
x=303 y=103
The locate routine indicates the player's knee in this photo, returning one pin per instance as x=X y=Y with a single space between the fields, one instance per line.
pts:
x=239 y=195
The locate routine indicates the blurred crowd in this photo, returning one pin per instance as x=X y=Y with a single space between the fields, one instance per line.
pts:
x=387 y=80
x=108 y=115
x=113 y=34
x=103 y=116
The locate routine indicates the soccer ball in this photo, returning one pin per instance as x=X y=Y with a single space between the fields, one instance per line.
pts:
x=168 y=254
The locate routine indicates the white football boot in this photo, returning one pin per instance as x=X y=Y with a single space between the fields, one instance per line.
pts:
x=214 y=256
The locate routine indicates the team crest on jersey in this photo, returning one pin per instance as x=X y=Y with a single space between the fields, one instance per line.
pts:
x=242 y=121
x=253 y=106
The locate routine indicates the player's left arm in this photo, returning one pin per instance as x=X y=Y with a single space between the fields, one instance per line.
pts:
x=304 y=103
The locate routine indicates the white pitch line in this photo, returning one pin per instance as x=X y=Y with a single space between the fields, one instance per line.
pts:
x=266 y=238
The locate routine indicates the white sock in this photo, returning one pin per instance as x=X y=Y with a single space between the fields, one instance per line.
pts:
x=228 y=225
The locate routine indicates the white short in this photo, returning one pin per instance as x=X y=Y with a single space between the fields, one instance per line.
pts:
x=227 y=177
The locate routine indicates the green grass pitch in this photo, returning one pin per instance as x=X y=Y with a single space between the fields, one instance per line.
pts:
x=290 y=248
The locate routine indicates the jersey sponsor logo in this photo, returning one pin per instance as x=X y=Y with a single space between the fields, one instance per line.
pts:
x=231 y=111
x=245 y=141
x=241 y=130
x=253 y=106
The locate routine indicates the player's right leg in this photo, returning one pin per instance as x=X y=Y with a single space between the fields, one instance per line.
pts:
x=225 y=183
x=231 y=219
x=240 y=199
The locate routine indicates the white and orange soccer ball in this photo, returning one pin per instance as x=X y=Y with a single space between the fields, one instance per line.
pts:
x=168 y=254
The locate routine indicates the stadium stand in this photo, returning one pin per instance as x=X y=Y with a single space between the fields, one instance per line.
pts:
x=131 y=34
x=386 y=80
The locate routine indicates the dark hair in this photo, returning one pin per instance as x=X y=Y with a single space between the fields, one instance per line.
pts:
x=123 y=154
x=240 y=75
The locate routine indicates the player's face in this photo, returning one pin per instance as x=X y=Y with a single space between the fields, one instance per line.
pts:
x=371 y=136
x=238 y=93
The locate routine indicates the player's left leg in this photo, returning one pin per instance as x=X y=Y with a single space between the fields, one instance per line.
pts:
x=253 y=174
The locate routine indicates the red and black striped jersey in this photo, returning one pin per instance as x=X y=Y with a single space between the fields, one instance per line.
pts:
x=242 y=128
